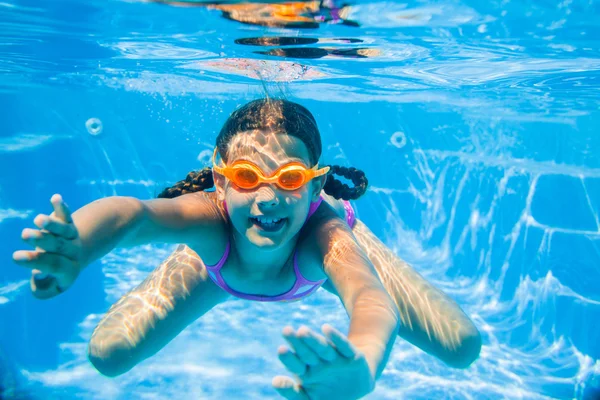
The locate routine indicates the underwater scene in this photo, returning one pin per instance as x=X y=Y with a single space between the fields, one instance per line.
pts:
x=428 y=170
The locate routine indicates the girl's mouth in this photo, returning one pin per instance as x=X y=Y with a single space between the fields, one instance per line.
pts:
x=268 y=224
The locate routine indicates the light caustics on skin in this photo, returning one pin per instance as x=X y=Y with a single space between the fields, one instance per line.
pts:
x=421 y=306
x=130 y=318
x=429 y=319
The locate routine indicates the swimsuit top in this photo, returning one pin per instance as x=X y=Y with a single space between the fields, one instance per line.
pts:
x=303 y=287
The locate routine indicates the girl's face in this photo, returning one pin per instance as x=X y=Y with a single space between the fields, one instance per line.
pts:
x=250 y=208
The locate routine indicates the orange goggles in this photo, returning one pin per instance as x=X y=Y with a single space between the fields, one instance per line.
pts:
x=248 y=176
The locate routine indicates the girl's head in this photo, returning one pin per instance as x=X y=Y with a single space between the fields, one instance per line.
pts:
x=270 y=133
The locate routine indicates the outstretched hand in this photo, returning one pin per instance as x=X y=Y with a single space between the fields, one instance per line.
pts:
x=325 y=367
x=56 y=260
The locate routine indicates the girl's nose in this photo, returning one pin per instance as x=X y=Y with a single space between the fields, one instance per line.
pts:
x=266 y=197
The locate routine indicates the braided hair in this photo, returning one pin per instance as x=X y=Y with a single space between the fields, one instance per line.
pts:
x=280 y=116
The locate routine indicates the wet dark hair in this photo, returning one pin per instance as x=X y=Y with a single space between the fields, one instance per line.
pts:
x=282 y=117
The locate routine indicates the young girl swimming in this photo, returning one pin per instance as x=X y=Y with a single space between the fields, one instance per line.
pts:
x=277 y=227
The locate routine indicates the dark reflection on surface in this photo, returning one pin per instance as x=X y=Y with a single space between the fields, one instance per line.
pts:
x=301 y=52
x=308 y=52
x=317 y=52
x=290 y=41
x=300 y=14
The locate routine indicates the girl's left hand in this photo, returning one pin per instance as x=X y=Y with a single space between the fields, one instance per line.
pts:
x=325 y=367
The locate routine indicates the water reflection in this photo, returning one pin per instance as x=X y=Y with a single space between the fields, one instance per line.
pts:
x=314 y=52
x=300 y=14
x=291 y=41
x=264 y=70
x=308 y=52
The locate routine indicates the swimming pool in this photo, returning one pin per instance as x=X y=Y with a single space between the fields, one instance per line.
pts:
x=476 y=125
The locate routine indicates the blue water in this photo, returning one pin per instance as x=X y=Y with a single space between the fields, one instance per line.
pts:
x=475 y=122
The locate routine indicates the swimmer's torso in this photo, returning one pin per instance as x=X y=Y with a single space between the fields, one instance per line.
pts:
x=309 y=258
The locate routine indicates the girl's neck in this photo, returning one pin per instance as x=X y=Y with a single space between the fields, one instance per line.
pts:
x=258 y=264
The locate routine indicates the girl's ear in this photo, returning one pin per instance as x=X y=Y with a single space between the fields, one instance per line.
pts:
x=317 y=186
x=219 y=181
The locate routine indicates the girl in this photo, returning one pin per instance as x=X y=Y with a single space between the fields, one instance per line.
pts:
x=274 y=229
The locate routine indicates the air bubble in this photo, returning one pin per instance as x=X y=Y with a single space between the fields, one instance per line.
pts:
x=94 y=126
x=205 y=157
x=398 y=140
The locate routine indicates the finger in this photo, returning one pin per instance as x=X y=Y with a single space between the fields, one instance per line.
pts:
x=291 y=361
x=49 y=263
x=317 y=343
x=49 y=242
x=56 y=226
x=22 y=257
x=60 y=209
x=287 y=388
x=45 y=282
x=41 y=220
x=339 y=340
x=304 y=353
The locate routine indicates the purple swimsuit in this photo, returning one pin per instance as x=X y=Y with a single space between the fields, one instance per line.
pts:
x=302 y=287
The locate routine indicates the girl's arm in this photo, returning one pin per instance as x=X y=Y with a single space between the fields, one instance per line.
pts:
x=65 y=244
x=374 y=319
x=126 y=222
x=430 y=319
x=147 y=318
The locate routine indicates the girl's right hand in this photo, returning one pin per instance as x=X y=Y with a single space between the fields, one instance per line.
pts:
x=56 y=260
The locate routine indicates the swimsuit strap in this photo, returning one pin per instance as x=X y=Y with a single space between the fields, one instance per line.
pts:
x=300 y=279
x=350 y=215
x=314 y=206
x=221 y=262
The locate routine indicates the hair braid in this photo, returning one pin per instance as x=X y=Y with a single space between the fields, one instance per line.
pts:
x=339 y=190
x=195 y=181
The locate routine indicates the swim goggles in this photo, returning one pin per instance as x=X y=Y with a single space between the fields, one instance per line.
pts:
x=247 y=175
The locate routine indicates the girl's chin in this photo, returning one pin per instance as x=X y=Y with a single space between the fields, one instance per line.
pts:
x=265 y=239
x=265 y=243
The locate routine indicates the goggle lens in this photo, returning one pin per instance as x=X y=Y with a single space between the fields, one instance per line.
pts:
x=246 y=178
x=291 y=179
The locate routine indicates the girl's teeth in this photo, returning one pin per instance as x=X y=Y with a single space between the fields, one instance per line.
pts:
x=268 y=221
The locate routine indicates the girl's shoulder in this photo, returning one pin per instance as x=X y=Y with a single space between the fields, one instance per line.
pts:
x=325 y=226
x=336 y=204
